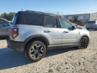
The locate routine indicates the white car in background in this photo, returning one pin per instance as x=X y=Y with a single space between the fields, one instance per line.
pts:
x=91 y=25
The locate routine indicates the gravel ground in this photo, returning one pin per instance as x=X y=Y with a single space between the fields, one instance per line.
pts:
x=56 y=61
x=3 y=44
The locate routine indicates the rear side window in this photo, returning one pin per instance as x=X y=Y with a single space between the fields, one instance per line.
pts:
x=29 y=18
x=50 y=21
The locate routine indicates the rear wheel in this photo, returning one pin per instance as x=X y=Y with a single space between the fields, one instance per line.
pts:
x=36 y=50
x=84 y=41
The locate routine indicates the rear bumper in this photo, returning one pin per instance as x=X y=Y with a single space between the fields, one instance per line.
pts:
x=18 y=46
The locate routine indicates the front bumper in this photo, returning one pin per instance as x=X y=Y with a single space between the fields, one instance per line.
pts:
x=18 y=46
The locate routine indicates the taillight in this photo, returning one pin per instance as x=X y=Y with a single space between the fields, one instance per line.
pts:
x=14 y=32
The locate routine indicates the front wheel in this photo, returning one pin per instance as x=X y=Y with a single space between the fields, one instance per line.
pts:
x=35 y=50
x=84 y=41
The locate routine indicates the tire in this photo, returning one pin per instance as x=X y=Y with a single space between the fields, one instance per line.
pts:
x=84 y=41
x=35 y=50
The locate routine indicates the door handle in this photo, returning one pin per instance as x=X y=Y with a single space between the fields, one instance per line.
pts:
x=65 y=31
x=46 y=31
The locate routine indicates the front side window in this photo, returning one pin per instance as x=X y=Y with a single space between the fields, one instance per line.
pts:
x=65 y=24
x=50 y=22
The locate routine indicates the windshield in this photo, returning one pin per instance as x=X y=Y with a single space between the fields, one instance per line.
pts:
x=5 y=22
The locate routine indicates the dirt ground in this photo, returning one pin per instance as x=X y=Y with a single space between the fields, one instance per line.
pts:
x=56 y=61
x=3 y=44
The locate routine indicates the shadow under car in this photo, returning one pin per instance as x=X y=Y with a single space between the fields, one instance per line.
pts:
x=10 y=58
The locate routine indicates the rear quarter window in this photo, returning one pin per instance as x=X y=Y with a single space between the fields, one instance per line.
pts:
x=29 y=19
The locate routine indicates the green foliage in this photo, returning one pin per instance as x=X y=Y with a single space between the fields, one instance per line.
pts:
x=7 y=16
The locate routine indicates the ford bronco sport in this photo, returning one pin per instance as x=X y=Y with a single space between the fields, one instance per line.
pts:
x=35 y=32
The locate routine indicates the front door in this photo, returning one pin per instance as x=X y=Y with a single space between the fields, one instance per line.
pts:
x=69 y=34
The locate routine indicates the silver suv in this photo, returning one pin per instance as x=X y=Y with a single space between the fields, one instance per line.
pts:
x=36 y=32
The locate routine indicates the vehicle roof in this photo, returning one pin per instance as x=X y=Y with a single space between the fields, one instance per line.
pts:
x=38 y=12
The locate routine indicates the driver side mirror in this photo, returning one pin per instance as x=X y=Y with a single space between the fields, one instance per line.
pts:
x=72 y=28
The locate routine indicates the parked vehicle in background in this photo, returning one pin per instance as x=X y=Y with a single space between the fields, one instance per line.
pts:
x=96 y=21
x=4 y=28
x=91 y=25
x=36 y=32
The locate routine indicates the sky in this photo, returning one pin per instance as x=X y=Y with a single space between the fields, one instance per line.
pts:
x=51 y=6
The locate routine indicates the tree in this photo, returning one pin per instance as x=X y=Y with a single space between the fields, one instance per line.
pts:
x=7 y=16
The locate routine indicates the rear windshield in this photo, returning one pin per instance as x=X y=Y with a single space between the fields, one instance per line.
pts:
x=29 y=18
